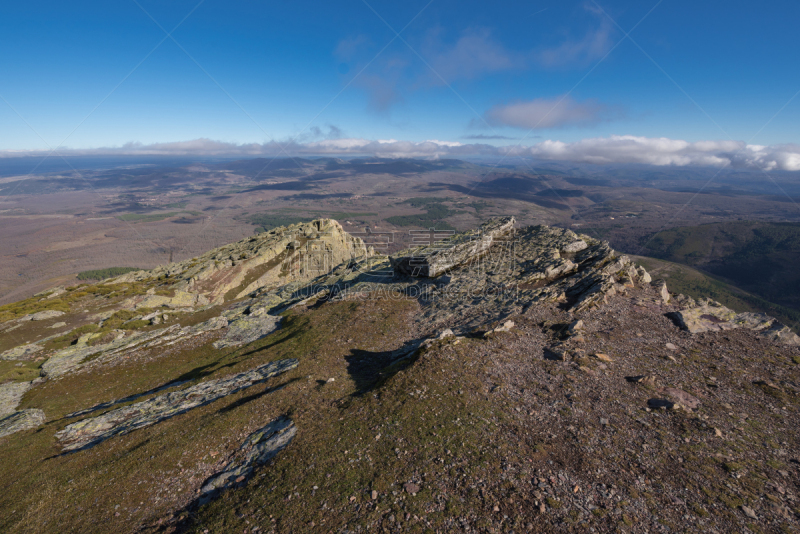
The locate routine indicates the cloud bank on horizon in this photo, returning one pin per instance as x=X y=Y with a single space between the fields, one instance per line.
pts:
x=616 y=149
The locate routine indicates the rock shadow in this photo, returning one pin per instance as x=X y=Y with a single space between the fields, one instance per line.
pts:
x=369 y=369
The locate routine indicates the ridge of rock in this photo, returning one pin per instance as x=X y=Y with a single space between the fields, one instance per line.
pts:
x=286 y=254
x=441 y=256
x=89 y=432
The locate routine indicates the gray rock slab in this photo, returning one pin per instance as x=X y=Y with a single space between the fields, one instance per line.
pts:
x=46 y=314
x=439 y=257
x=257 y=449
x=714 y=317
x=23 y=352
x=10 y=395
x=22 y=420
x=248 y=329
x=76 y=356
x=90 y=432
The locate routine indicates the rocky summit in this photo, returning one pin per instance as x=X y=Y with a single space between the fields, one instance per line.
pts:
x=503 y=379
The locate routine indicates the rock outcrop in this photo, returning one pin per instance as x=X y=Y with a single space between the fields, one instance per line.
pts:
x=11 y=420
x=21 y=420
x=711 y=316
x=257 y=449
x=10 y=396
x=23 y=352
x=81 y=353
x=248 y=329
x=90 y=432
x=488 y=278
x=440 y=257
x=45 y=315
x=270 y=259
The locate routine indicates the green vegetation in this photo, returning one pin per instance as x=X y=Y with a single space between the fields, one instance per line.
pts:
x=120 y=320
x=480 y=205
x=434 y=217
x=102 y=274
x=696 y=284
x=177 y=205
x=30 y=306
x=153 y=217
x=71 y=337
x=18 y=371
x=65 y=301
x=760 y=258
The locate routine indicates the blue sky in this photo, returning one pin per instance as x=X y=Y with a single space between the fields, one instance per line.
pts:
x=93 y=74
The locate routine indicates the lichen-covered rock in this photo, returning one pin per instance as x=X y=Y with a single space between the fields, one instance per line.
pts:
x=532 y=265
x=706 y=319
x=22 y=420
x=44 y=315
x=176 y=336
x=270 y=259
x=75 y=356
x=23 y=352
x=437 y=258
x=257 y=449
x=181 y=299
x=51 y=292
x=248 y=329
x=90 y=432
x=10 y=396
x=712 y=316
x=780 y=333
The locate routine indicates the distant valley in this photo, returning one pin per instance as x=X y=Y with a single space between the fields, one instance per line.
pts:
x=735 y=227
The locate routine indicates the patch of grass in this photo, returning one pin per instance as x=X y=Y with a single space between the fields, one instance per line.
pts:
x=434 y=217
x=146 y=217
x=154 y=217
x=699 y=510
x=732 y=467
x=80 y=492
x=18 y=371
x=72 y=336
x=31 y=306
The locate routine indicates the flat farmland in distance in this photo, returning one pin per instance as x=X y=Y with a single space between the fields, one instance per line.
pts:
x=53 y=226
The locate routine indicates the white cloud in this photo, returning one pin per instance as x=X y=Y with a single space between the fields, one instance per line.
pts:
x=543 y=113
x=474 y=54
x=630 y=149
x=617 y=149
x=593 y=46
